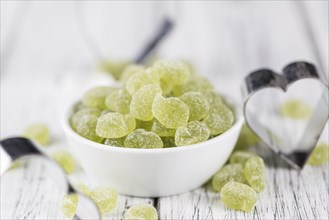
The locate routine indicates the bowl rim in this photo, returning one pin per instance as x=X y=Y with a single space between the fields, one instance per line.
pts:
x=68 y=130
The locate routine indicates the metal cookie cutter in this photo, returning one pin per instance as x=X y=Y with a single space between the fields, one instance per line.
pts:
x=265 y=94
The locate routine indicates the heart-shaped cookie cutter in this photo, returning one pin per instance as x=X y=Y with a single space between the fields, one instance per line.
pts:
x=292 y=147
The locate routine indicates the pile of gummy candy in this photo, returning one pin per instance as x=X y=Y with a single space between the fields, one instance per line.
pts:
x=164 y=105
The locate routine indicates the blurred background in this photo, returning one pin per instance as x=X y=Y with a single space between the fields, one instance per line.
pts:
x=50 y=47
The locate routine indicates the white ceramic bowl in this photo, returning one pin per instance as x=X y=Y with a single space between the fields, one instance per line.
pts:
x=153 y=172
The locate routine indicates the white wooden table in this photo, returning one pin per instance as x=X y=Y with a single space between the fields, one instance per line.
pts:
x=37 y=81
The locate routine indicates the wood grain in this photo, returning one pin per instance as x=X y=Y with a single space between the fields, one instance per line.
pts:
x=288 y=195
x=48 y=64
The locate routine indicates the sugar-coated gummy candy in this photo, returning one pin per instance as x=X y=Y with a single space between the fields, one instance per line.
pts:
x=171 y=112
x=115 y=68
x=76 y=117
x=246 y=139
x=161 y=130
x=38 y=132
x=194 y=132
x=118 y=101
x=238 y=196
x=105 y=197
x=129 y=71
x=168 y=142
x=320 y=155
x=254 y=173
x=86 y=127
x=96 y=97
x=219 y=119
x=166 y=87
x=115 y=125
x=141 y=103
x=131 y=122
x=83 y=188
x=197 y=103
x=172 y=71
x=110 y=101
x=138 y=80
x=141 y=212
x=143 y=139
x=190 y=67
x=69 y=205
x=65 y=160
x=194 y=84
x=203 y=84
x=295 y=109
x=105 y=111
x=230 y=172
x=213 y=98
x=240 y=157
x=116 y=142
x=146 y=125
x=154 y=75
x=77 y=106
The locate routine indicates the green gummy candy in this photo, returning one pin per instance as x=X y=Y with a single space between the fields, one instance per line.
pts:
x=194 y=132
x=86 y=127
x=320 y=155
x=105 y=197
x=146 y=125
x=254 y=173
x=161 y=130
x=230 y=172
x=77 y=106
x=118 y=101
x=197 y=103
x=105 y=111
x=69 y=205
x=143 y=139
x=172 y=71
x=116 y=142
x=65 y=160
x=141 y=103
x=238 y=196
x=170 y=112
x=76 y=117
x=115 y=125
x=96 y=97
x=38 y=132
x=83 y=188
x=166 y=87
x=129 y=71
x=240 y=157
x=194 y=84
x=295 y=109
x=141 y=212
x=115 y=68
x=247 y=138
x=131 y=122
x=213 y=98
x=138 y=80
x=168 y=142
x=219 y=119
